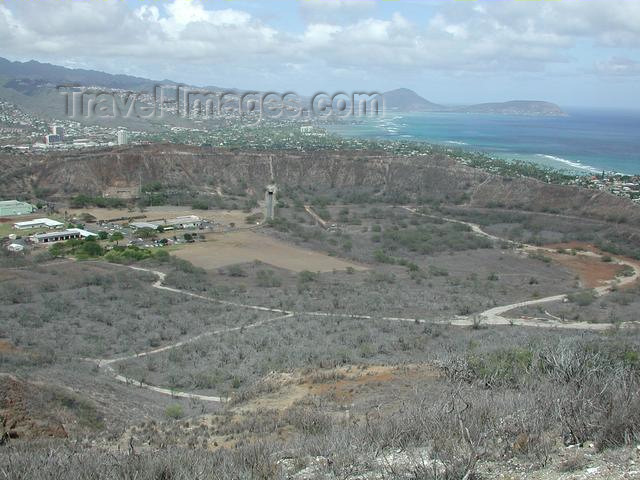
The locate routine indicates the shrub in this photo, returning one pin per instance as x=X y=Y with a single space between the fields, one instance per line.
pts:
x=438 y=271
x=268 y=279
x=501 y=367
x=540 y=256
x=307 y=277
x=236 y=271
x=582 y=299
x=174 y=412
x=200 y=205
x=146 y=232
x=382 y=257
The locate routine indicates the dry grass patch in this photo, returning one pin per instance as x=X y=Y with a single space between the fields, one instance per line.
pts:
x=247 y=246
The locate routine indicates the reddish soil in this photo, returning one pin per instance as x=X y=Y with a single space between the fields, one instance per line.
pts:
x=343 y=390
x=342 y=385
x=6 y=347
x=593 y=272
x=352 y=382
x=16 y=421
x=574 y=245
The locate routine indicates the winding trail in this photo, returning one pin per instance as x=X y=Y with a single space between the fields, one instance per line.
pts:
x=106 y=364
x=494 y=316
x=317 y=218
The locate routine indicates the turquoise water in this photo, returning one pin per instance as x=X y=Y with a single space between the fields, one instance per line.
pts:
x=585 y=141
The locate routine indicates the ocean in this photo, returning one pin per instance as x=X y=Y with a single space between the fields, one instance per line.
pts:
x=586 y=141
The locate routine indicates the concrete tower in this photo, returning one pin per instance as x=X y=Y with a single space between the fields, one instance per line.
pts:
x=270 y=202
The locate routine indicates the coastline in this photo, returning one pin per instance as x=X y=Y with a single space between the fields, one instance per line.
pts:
x=585 y=143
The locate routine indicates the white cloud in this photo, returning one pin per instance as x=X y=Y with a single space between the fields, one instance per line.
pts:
x=335 y=11
x=184 y=37
x=618 y=66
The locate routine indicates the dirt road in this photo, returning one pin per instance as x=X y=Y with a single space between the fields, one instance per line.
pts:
x=493 y=316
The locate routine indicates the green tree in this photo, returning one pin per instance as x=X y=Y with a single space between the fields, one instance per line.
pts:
x=146 y=232
x=57 y=250
x=91 y=248
x=116 y=237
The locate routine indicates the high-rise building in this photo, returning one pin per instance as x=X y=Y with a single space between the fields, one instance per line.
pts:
x=123 y=137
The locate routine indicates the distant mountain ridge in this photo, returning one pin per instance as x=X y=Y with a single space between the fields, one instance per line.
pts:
x=32 y=78
x=517 y=107
x=408 y=101
x=405 y=100
x=48 y=73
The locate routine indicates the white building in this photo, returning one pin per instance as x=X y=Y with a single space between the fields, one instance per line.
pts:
x=123 y=137
x=178 y=223
x=64 y=235
x=38 y=223
x=139 y=225
x=58 y=130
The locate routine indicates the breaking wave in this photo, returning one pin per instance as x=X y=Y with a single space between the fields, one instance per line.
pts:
x=575 y=164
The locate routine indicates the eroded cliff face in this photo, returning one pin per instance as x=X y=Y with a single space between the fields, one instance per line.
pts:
x=92 y=173
x=60 y=175
x=533 y=195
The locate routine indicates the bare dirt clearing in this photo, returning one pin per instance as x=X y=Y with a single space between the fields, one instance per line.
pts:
x=7 y=347
x=226 y=217
x=243 y=247
x=343 y=385
x=593 y=272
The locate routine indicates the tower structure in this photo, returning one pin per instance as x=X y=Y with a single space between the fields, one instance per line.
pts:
x=270 y=202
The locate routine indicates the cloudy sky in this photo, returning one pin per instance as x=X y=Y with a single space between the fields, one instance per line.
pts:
x=573 y=52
